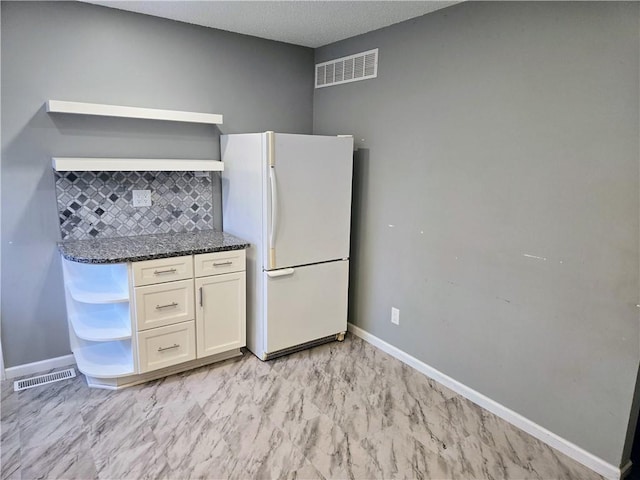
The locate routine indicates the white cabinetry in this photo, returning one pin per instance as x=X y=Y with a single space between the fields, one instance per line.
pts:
x=164 y=304
x=221 y=309
x=133 y=322
x=150 y=272
x=164 y=312
x=166 y=346
x=98 y=311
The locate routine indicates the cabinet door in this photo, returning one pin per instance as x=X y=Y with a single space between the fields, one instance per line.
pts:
x=220 y=313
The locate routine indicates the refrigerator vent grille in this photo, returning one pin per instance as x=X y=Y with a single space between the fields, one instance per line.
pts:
x=353 y=68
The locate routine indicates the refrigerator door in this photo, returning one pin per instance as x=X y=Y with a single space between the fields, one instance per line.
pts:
x=308 y=199
x=304 y=304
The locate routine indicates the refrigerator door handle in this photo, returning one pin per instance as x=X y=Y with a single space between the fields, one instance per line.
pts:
x=281 y=273
x=274 y=216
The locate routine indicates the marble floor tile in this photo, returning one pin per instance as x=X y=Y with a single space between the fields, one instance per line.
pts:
x=342 y=410
x=299 y=368
x=321 y=355
x=115 y=426
x=183 y=427
x=203 y=382
x=163 y=391
x=139 y=461
x=68 y=457
x=455 y=419
x=211 y=468
x=332 y=451
x=438 y=426
x=262 y=450
x=228 y=388
x=251 y=367
x=397 y=454
x=474 y=459
x=357 y=417
x=233 y=397
x=286 y=405
x=515 y=445
x=334 y=359
x=306 y=472
x=423 y=388
x=10 y=450
x=407 y=398
x=48 y=423
x=9 y=405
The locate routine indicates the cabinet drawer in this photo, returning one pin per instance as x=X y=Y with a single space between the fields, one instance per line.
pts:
x=164 y=304
x=162 y=270
x=219 y=262
x=165 y=346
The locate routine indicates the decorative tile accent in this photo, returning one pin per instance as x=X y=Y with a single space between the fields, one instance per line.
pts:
x=98 y=204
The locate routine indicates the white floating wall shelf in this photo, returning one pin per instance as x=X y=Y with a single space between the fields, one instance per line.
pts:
x=77 y=164
x=59 y=106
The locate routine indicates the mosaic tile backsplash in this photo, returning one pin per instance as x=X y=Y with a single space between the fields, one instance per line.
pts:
x=98 y=204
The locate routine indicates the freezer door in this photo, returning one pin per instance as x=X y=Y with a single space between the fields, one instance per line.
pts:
x=305 y=304
x=308 y=199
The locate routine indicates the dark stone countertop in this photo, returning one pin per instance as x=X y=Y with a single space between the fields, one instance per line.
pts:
x=148 y=247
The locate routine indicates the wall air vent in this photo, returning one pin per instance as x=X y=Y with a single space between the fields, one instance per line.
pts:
x=353 y=68
x=31 y=382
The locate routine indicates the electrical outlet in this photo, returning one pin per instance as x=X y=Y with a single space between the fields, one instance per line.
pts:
x=141 y=198
x=395 y=316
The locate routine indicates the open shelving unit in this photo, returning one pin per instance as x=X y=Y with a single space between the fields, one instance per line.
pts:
x=104 y=110
x=99 y=317
x=97 y=284
x=91 y=164
x=100 y=323
x=105 y=359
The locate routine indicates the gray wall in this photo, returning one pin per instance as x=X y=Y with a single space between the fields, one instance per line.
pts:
x=496 y=204
x=81 y=52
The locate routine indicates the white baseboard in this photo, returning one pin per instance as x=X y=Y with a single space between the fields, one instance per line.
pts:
x=568 y=448
x=38 y=367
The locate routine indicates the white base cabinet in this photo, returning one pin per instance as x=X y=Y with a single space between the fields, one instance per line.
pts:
x=132 y=322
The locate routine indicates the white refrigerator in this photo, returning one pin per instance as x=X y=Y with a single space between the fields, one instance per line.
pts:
x=290 y=197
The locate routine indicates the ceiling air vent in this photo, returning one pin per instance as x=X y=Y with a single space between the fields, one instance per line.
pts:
x=347 y=69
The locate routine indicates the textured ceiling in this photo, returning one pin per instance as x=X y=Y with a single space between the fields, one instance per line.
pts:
x=311 y=23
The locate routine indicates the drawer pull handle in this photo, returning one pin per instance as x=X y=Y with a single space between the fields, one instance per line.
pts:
x=222 y=264
x=172 y=304
x=160 y=272
x=161 y=349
